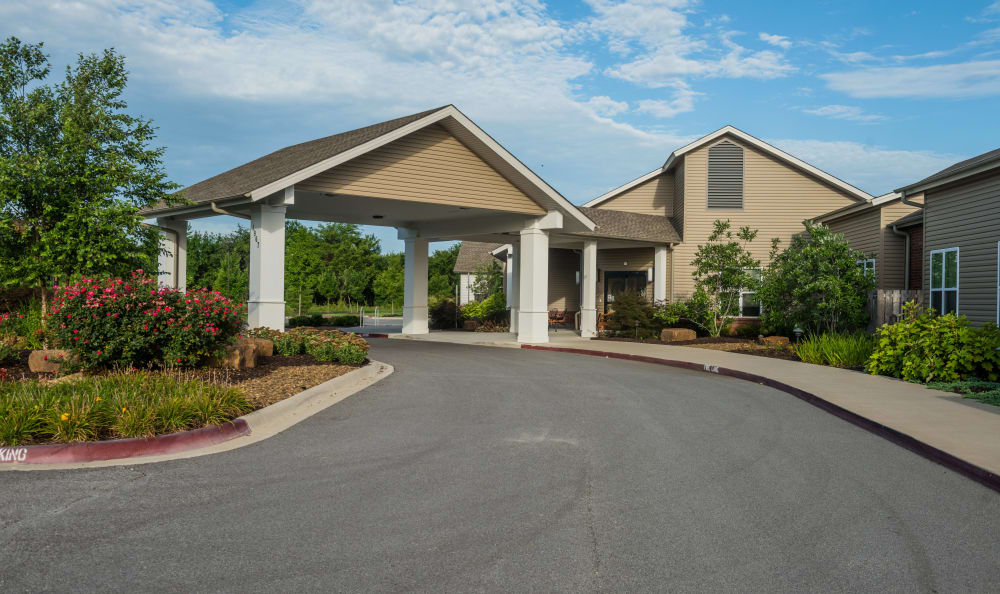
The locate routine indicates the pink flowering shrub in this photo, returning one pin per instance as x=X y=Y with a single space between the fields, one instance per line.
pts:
x=136 y=323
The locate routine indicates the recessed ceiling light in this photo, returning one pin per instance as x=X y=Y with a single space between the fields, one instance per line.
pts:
x=378 y=217
x=463 y=208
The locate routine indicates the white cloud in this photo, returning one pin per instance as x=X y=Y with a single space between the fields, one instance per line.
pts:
x=777 y=40
x=968 y=79
x=681 y=101
x=874 y=169
x=606 y=106
x=844 y=112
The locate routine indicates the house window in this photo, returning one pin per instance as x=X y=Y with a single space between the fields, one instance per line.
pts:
x=868 y=265
x=944 y=280
x=749 y=304
x=725 y=175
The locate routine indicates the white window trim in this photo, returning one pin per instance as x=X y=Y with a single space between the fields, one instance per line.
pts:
x=865 y=262
x=958 y=275
x=746 y=292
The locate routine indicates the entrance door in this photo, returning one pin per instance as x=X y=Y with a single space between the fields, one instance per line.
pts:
x=616 y=283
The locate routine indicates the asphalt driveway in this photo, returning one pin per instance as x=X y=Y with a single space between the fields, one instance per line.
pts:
x=491 y=469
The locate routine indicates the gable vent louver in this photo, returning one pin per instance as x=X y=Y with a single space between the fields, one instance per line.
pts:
x=725 y=176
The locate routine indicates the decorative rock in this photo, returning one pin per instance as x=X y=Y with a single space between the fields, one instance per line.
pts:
x=47 y=361
x=677 y=334
x=265 y=347
x=248 y=354
x=242 y=355
x=775 y=340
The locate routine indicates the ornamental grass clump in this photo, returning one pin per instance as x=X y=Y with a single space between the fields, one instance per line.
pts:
x=323 y=345
x=120 y=405
x=837 y=350
x=136 y=323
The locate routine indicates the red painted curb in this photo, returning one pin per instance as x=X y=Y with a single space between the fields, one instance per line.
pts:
x=950 y=461
x=373 y=335
x=65 y=453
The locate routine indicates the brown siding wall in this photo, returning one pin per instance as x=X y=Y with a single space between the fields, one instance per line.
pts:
x=655 y=197
x=429 y=166
x=564 y=293
x=615 y=260
x=967 y=216
x=891 y=269
x=776 y=200
x=862 y=232
x=916 y=257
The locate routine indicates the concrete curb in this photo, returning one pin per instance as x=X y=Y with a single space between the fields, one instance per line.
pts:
x=248 y=429
x=950 y=461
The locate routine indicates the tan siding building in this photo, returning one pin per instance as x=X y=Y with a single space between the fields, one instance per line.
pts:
x=655 y=197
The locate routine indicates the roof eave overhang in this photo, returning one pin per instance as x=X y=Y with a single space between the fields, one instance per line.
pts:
x=923 y=186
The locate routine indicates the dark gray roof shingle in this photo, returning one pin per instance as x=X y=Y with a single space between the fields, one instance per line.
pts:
x=959 y=167
x=473 y=254
x=629 y=225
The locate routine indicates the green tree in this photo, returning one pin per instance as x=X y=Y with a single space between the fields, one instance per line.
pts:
x=302 y=265
x=441 y=276
x=75 y=168
x=489 y=280
x=723 y=267
x=220 y=262
x=388 y=284
x=815 y=283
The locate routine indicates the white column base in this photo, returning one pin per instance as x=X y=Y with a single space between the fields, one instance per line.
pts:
x=588 y=323
x=266 y=314
x=415 y=320
x=533 y=327
x=415 y=287
x=533 y=315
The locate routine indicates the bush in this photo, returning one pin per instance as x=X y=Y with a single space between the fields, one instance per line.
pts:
x=24 y=324
x=111 y=407
x=924 y=347
x=443 y=314
x=633 y=316
x=492 y=309
x=308 y=320
x=342 y=320
x=289 y=344
x=135 y=323
x=351 y=355
x=816 y=283
x=747 y=330
x=837 y=350
x=976 y=389
x=693 y=313
x=8 y=347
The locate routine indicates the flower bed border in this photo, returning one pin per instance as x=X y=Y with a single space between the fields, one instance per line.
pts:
x=950 y=461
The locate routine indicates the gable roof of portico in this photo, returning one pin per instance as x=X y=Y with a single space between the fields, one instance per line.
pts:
x=285 y=167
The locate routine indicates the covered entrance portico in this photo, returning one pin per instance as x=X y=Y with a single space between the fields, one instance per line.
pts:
x=434 y=176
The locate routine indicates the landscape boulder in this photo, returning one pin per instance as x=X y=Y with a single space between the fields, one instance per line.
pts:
x=47 y=360
x=775 y=340
x=677 y=334
x=242 y=355
x=265 y=347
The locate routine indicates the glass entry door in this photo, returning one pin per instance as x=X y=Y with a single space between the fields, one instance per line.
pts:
x=616 y=283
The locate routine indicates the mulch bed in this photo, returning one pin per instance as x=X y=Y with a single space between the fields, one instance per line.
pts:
x=273 y=379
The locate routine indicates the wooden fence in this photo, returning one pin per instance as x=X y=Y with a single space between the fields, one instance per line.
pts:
x=886 y=305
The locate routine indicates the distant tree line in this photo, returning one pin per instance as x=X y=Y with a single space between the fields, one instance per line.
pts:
x=331 y=265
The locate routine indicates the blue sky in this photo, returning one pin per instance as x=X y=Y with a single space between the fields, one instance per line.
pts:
x=589 y=94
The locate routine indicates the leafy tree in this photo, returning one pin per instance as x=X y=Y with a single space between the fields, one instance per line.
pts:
x=489 y=280
x=302 y=264
x=75 y=168
x=442 y=278
x=220 y=262
x=388 y=284
x=815 y=283
x=723 y=267
x=350 y=262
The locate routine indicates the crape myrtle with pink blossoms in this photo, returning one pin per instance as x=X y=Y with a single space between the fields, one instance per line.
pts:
x=134 y=322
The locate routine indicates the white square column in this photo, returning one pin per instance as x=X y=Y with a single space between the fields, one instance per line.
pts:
x=514 y=286
x=660 y=273
x=415 y=286
x=172 y=263
x=588 y=299
x=533 y=314
x=266 y=306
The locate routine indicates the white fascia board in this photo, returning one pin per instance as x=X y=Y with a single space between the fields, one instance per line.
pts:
x=771 y=150
x=502 y=249
x=635 y=182
x=879 y=200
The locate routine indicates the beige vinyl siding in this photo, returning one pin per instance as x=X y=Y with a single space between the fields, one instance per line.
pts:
x=862 y=232
x=678 y=218
x=429 y=166
x=564 y=293
x=968 y=217
x=655 y=197
x=638 y=259
x=892 y=262
x=776 y=199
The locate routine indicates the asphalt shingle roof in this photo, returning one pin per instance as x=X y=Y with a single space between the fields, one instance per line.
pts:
x=629 y=225
x=960 y=166
x=473 y=254
x=283 y=162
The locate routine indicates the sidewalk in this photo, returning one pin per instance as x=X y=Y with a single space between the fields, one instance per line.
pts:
x=918 y=418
